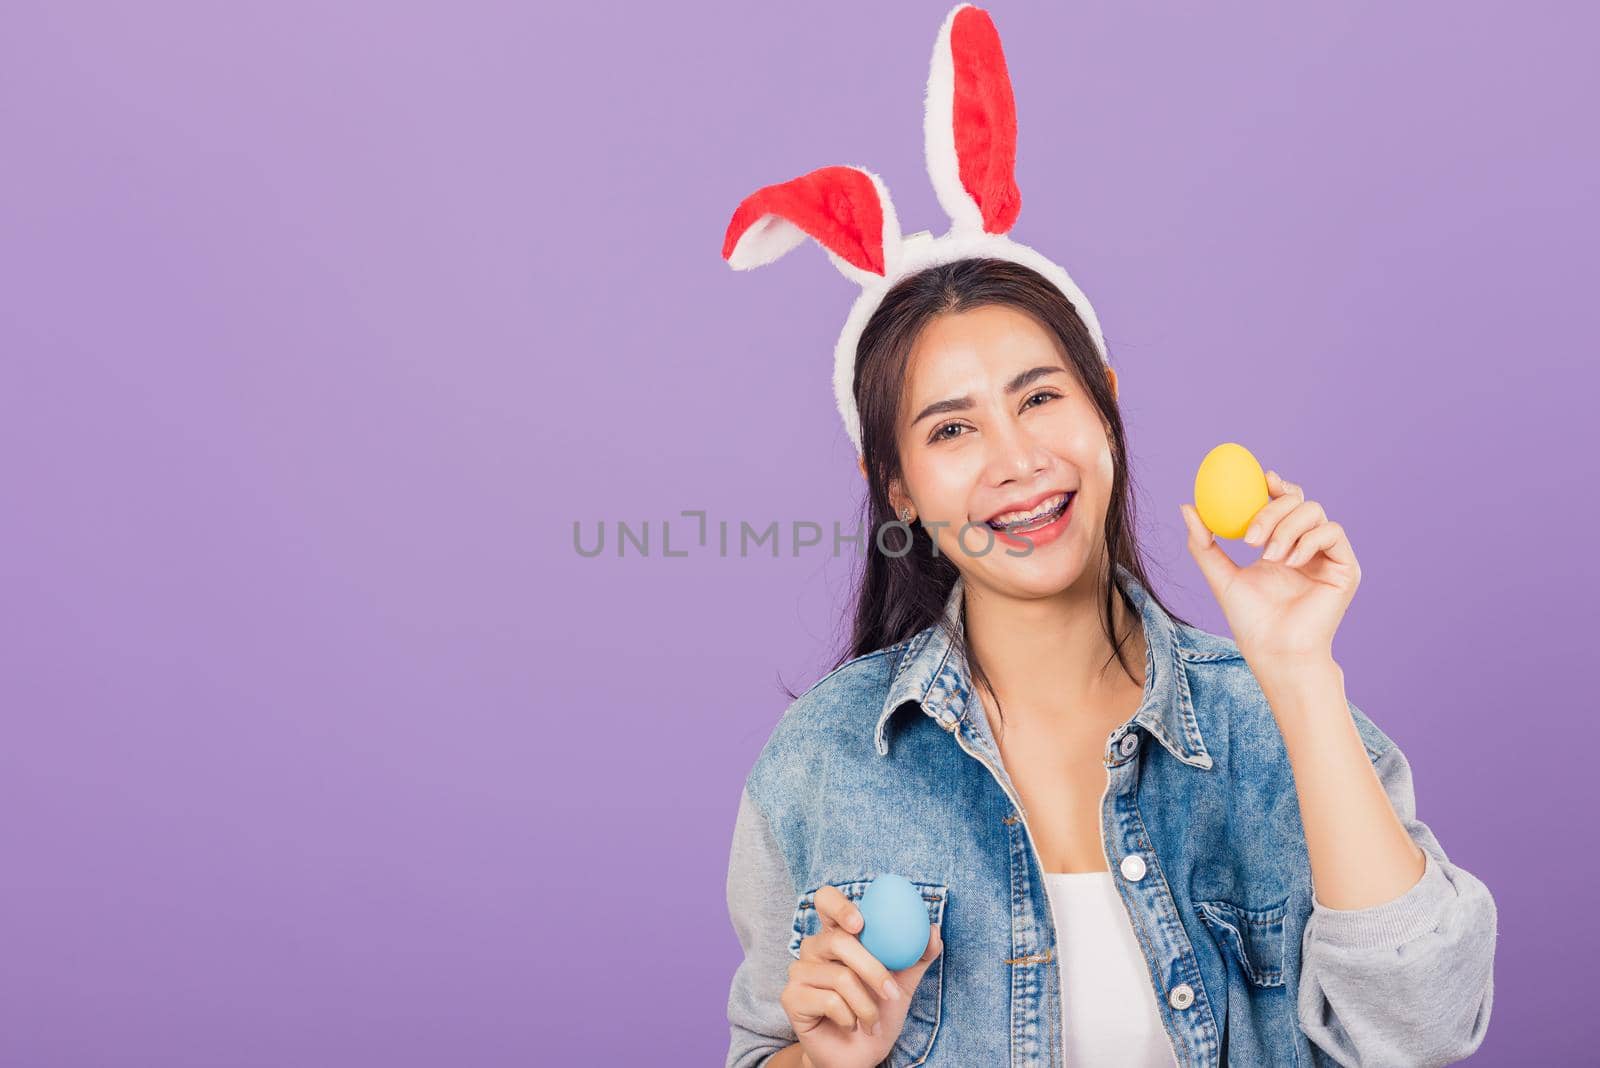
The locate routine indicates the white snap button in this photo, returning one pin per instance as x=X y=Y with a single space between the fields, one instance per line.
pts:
x=1130 y=742
x=1133 y=867
x=1182 y=996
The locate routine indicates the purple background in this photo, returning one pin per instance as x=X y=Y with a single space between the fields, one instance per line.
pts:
x=322 y=324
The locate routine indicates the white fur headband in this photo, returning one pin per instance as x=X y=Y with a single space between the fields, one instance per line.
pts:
x=970 y=138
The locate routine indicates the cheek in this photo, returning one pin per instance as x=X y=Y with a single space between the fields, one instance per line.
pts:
x=941 y=490
x=1092 y=455
x=1088 y=447
x=950 y=494
x=1105 y=465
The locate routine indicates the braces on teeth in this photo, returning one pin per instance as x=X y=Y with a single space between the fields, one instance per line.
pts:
x=1035 y=518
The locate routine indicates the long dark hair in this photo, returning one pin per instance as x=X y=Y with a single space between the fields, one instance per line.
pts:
x=902 y=593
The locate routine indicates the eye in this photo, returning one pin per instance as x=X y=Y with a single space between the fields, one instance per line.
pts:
x=939 y=431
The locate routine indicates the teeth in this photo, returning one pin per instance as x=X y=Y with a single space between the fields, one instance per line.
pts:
x=1044 y=509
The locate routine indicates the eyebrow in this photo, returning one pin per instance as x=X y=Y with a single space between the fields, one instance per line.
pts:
x=961 y=404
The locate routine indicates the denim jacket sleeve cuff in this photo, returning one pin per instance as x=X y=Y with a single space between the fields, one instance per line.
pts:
x=1393 y=923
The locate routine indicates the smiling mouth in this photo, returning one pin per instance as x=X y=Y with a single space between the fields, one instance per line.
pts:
x=1023 y=526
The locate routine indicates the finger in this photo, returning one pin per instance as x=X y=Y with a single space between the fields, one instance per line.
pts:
x=809 y=1005
x=935 y=944
x=847 y=948
x=1271 y=514
x=1277 y=486
x=1215 y=565
x=1303 y=517
x=838 y=977
x=836 y=910
x=842 y=946
x=908 y=978
x=1311 y=542
x=1328 y=538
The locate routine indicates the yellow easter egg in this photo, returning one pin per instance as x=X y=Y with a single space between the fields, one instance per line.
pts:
x=1229 y=489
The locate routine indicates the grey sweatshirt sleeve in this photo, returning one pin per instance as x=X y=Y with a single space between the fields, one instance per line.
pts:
x=1409 y=982
x=761 y=902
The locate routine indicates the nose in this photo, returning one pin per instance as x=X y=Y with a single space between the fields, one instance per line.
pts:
x=1015 y=455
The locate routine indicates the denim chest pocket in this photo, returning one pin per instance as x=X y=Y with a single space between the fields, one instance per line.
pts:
x=922 y=1015
x=1253 y=937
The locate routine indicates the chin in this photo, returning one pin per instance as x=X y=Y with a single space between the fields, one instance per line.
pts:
x=1046 y=573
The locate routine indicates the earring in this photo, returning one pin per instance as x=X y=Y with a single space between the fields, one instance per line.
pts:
x=905 y=515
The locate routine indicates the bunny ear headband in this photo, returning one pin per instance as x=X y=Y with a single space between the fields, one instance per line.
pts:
x=970 y=133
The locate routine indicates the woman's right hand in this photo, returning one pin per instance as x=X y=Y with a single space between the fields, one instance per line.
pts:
x=836 y=998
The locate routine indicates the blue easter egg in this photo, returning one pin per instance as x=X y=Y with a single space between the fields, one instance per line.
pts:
x=897 y=927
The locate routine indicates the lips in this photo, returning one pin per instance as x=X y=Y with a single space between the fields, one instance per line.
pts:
x=1021 y=510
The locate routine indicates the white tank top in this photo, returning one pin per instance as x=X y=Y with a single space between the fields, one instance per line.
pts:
x=1108 y=1007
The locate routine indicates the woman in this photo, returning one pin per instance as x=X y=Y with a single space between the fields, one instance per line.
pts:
x=1139 y=843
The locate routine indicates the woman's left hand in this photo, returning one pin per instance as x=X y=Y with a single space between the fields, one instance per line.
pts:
x=1288 y=603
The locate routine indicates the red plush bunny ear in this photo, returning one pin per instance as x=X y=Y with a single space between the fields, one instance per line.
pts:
x=970 y=125
x=845 y=209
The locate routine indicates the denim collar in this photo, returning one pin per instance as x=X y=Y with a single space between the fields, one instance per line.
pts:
x=932 y=673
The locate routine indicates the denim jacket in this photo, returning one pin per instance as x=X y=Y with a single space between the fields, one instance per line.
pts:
x=887 y=764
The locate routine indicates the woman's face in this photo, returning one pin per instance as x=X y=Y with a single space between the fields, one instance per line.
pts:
x=995 y=423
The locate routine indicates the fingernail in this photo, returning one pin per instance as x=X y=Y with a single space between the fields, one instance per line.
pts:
x=1272 y=553
x=1252 y=534
x=873 y=1030
x=890 y=988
